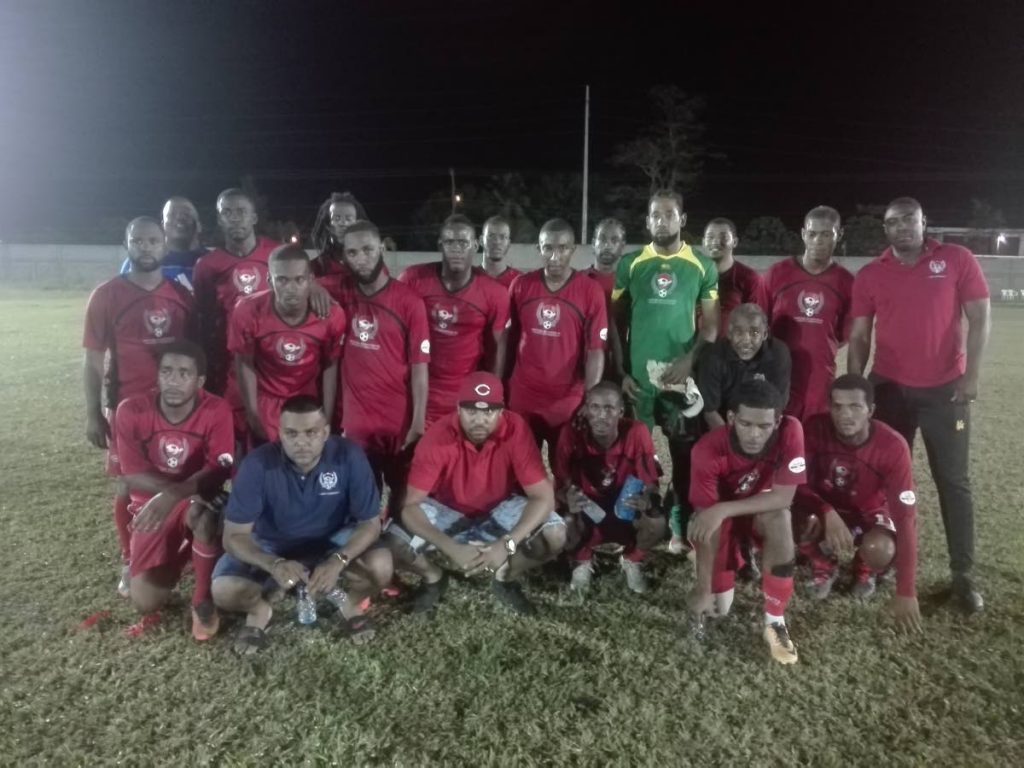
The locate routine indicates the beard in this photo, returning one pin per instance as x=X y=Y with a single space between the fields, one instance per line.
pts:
x=374 y=273
x=663 y=241
x=146 y=268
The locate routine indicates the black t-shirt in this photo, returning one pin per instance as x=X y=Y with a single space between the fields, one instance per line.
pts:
x=720 y=371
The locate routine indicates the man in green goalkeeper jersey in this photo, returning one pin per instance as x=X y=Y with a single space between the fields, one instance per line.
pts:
x=656 y=294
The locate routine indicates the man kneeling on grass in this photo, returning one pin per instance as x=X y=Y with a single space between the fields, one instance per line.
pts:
x=304 y=510
x=478 y=492
x=606 y=476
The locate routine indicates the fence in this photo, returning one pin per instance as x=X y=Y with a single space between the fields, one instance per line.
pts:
x=85 y=266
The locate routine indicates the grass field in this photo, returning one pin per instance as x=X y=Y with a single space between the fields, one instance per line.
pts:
x=613 y=681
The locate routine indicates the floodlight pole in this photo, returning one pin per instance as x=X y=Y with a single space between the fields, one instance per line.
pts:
x=586 y=164
x=451 y=172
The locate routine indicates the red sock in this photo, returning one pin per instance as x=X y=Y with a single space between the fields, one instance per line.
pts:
x=204 y=559
x=123 y=522
x=777 y=591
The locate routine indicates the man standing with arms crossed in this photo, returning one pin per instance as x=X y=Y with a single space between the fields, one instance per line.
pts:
x=913 y=298
x=657 y=292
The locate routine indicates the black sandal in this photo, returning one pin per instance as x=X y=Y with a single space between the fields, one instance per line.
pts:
x=250 y=640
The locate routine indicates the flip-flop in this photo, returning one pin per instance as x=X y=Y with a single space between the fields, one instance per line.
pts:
x=143 y=626
x=361 y=629
x=250 y=641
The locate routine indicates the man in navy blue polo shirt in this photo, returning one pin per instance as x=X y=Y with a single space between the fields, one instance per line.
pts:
x=304 y=510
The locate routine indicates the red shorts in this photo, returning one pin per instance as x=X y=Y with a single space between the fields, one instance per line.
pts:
x=857 y=521
x=113 y=463
x=548 y=411
x=729 y=557
x=170 y=545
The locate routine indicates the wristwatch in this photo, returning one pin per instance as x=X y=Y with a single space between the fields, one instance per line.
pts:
x=510 y=545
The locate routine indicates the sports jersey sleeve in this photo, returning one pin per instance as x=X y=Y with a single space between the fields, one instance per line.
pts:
x=709 y=283
x=792 y=468
x=597 y=318
x=363 y=496
x=245 y=504
x=132 y=459
x=622 y=273
x=419 y=332
x=242 y=330
x=844 y=319
x=971 y=283
x=334 y=338
x=96 y=335
x=863 y=301
x=426 y=466
x=756 y=292
x=499 y=311
x=902 y=502
x=220 y=437
x=526 y=460
x=704 y=473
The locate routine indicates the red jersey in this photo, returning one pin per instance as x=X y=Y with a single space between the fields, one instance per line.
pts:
x=860 y=481
x=605 y=279
x=289 y=359
x=148 y=442
x=507 y=277
x=811 y=315
x=917 y=308
x=463 y=325
x=555 y=331
x=133 y=324
x=387 y=334
x=721 y=473
x=601 y=472
x=220 y=279
x=472 y=480
x=739 y=284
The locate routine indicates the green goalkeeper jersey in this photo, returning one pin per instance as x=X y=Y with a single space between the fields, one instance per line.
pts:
x=664 y=291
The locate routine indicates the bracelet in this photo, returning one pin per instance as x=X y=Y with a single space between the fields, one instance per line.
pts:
x=342 y=557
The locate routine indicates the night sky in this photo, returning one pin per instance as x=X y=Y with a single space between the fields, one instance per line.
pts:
x=108 y=108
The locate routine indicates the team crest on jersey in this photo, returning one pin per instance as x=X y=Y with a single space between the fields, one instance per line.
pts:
x=444 y=317
x=548 y=315
x=158 y=321
x=291 y=348
x=246 y=279
x=842 y=476
x=328 y=480
x=748 y=481
x=607 y=477
x=365 y=327
x=663 y=284
x=174 y=450
x=937 y=266
x=810 y=303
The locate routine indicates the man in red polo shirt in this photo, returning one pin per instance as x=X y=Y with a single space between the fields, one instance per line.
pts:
x=281 y=348
x=810 y=311
x=597 y=455
x=221 y=278
x=737 y=283
x=384 y=370
x=497 y=239
x=479 y=494
x=130 y=317
x=859 y=495
x=559 y=318
x=743 y=480
x=914 y=297
x=468 y=314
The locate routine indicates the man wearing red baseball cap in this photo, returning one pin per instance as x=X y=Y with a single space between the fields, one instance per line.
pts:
x=478 y=492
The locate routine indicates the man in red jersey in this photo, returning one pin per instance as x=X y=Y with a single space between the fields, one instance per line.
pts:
x=335 y=214
x=597 y=454
x=176 y=453
x=609 y=243
x=737 y=283
x=384 y=371
x=131 y=317
x=914 y=297
x=744 y=477
x=560 y=321
x=467 y=311
x=810 y=311
x=478 y=493
x=281 y=347
x=859 y=494
x=223 y=276
x=497 y=239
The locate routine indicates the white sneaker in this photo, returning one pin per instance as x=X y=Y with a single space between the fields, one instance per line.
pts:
x=124 y=584
x=582 y=576
x=676 y=545
x=635 y=579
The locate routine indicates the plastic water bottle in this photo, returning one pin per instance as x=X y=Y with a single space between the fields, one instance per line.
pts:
x=633 y=486
x=593 y=510
x=305 y=608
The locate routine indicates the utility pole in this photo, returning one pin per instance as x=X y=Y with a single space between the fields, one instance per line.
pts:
x=586 y=164
x=455 y=197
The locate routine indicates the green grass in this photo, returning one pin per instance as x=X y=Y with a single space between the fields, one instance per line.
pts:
x=614 y=681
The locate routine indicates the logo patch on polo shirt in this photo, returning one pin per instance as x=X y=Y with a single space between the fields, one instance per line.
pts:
x=937 y=266
x=444 y=317
x=158 y=321
x=748 y=481
x=328 y=480
x=174 y=449
x=548 y=316
x=291 y=349
x=797 y=465
x=810 y=303
x=908 y=497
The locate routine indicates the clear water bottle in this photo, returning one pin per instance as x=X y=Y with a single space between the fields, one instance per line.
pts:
x=337 y=597
x=305 y=607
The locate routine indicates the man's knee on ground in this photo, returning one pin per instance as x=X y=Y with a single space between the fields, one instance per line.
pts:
x=235 y=594
x=877 y=548
x=150 y=590
x=375 y=568
x=547 y=544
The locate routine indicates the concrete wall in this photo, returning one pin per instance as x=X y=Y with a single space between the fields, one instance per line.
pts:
x=85 y=266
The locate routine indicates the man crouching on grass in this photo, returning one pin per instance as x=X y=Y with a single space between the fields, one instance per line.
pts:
x=479 y=493
x=303 y=510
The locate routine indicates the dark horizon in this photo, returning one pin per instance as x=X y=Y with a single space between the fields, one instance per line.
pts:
x=111 y=107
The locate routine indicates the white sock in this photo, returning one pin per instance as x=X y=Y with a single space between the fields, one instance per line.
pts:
x=723 y=602
x=769 y=619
